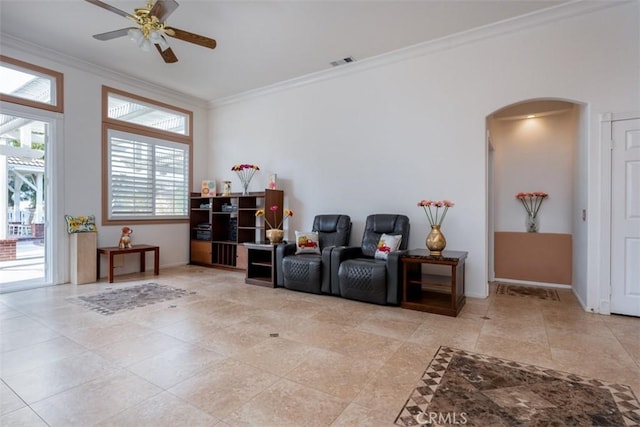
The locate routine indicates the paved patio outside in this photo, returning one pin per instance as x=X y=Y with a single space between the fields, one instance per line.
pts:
x=28 y=265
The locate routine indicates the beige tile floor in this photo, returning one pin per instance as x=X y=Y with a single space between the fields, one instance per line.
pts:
x=209 y=358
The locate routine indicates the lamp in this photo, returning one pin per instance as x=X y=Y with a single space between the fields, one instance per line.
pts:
x=145 y=45
x=156 y=37
x=135 y=35
x=164 y=45
x=145 y=37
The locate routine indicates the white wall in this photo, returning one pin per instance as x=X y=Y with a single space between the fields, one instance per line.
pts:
x=82 y=159
x=534 y=154
x=380 y=138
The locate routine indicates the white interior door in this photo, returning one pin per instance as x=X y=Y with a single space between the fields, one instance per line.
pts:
x=625 y=218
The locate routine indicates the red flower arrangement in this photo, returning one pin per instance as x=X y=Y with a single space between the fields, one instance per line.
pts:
x=532 y=201
x=245 y=173
x=434 y=219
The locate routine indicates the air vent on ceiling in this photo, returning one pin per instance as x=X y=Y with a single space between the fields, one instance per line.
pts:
x=343 y=61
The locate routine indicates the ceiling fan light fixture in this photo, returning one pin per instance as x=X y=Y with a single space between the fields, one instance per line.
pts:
x=164 y=45
x=154 y=36
x=145 y=45
x=135 y=35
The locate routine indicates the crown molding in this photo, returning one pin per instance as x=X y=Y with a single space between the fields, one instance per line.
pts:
x=63 y=59
x=512 y=25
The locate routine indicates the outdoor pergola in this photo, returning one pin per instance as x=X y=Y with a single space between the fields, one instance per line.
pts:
x=20 y=165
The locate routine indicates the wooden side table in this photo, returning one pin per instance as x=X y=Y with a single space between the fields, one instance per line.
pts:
x=433 y=283
x=110 y=252
x=261 y=268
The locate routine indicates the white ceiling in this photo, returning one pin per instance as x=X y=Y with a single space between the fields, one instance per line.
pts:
x=260 y=42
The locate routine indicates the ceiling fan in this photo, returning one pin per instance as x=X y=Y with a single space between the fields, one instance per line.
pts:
x=152 y=28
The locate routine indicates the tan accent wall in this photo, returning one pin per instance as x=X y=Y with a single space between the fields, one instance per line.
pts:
x=534 y=257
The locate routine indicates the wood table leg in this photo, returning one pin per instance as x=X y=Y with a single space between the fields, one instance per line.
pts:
x=110 y=268
x=98 y=266
x=143 y=259
x=156 y=261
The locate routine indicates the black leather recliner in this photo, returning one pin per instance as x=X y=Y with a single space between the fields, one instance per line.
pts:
x=312 y=272
x=356 y=274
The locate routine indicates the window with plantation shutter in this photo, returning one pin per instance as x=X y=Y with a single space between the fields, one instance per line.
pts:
x=147 y=170
x=148 y=177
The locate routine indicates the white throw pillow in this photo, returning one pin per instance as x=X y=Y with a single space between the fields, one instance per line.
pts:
x=387 y=243
x=307 y=242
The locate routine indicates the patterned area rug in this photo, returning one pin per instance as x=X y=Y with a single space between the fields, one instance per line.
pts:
x=116 y=300
x=527 y=291
x=460 y=387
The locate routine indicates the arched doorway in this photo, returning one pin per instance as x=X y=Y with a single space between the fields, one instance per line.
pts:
x=537 y=146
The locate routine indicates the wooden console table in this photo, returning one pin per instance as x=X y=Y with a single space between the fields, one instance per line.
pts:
x=440 y=290
x=110 y=252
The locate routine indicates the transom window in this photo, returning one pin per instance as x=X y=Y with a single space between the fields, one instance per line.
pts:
x=147 y=160
x=28 y=84
x=130 y=110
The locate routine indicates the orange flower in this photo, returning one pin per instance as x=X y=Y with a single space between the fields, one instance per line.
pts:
x=532 y=201
x=434 y=219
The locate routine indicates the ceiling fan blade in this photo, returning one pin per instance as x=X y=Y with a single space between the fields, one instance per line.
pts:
x=167 y=54
x=112 y=9
x=112 y=34
x=163 y=8
x=191 y=37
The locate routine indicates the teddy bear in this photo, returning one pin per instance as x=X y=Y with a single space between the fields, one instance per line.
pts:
x=125 y=238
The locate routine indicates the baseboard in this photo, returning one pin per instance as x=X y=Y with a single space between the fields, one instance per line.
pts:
x=540 y=284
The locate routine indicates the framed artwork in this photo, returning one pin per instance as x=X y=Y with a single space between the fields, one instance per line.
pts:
x=208 y=188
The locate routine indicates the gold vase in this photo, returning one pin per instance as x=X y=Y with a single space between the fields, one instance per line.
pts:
x=275 y=236
x=436 y=241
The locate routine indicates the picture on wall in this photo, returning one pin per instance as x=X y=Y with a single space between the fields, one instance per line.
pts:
x=208 y=188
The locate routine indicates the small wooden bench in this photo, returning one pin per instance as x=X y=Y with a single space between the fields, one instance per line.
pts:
x=110 y=252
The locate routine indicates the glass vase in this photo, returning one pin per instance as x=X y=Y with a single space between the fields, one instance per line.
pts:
x=245 y=188
x=436 y=241
x=532 y=223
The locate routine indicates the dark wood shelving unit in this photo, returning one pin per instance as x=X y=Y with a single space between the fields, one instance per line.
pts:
x=220 y=225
